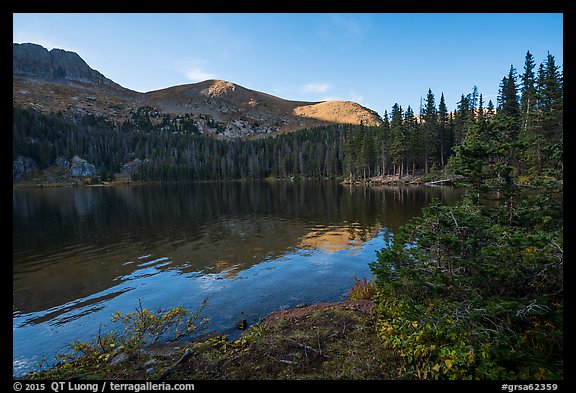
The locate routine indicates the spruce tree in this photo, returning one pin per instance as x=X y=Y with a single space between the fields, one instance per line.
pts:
x=429 y=138
x=550 y=96
x=550 y=99
x=473 y=102
x=528 y=116
x=444 y=131
x=413 y=139
x=528 y=91
x=508 y=104
x=398 y=139
x=385 y=142
x=481 y=118
x=462 y=120
x=490 y=109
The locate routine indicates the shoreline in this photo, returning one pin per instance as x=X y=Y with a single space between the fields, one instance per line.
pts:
x=296 y=332
x=392 y=180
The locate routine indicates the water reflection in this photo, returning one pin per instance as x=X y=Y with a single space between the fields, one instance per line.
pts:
x=79 y=254
x=74 y=242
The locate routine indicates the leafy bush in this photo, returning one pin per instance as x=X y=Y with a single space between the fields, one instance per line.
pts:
x=467 y=292
x=362 y=289
x=140 y=327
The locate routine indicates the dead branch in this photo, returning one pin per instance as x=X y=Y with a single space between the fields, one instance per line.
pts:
x=169 y=370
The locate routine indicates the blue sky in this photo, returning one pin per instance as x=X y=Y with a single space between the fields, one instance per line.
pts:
x=373 y=59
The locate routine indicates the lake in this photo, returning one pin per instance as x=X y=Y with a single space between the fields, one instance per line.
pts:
x=246 y=248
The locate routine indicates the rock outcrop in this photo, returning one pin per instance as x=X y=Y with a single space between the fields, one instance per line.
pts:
x=21 y=166
x=32 y=60
x=80 y=167
x=131 y=166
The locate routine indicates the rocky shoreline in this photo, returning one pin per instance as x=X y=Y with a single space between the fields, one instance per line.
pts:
x=395 y=180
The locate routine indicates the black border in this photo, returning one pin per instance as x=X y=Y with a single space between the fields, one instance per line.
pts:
x=565 y=7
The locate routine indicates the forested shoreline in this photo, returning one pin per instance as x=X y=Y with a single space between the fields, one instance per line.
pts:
x=526 y=124
x=475 y=290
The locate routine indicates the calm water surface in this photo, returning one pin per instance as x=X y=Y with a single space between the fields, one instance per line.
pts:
x=80 y=254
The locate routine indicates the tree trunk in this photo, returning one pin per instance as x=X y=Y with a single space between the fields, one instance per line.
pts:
x=538 y=158
x=442 y=154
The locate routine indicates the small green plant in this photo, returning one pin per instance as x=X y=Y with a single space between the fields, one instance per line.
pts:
x=430 y=344
x=362 y=289
x=144 y=326
x=141 y=327
x=42 y=362
x=223 y=343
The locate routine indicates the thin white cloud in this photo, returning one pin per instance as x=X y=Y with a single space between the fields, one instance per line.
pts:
x=349 y=24
x=195 y=70
x=359 y=99
x=197 y=74
x=316 y=87
x=352 y=96
x=332 y=98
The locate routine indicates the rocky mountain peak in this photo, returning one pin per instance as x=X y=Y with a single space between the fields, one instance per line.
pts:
x=60 y=80
x=218 y=87
x=32 y=60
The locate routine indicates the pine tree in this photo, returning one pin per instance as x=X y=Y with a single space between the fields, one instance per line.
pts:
x=474 y=98
x=550 y=96
x=385 y=145
x=429 y=138
x=490 y=109
x=508 y=104
x=473 y=103
x=481 y=118
x=549 y=131
x=351 y=152
x=528 y=116
x=413 y=139
x=398 y=139
x=528 y=91
x=462 y=120
x=504 y=129
x=470 y=159
x=367 y=154
x=444 y=131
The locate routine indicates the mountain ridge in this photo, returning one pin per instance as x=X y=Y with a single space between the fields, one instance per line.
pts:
x=57 y=64
x=61 y=81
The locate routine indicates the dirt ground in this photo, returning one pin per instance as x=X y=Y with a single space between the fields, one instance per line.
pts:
x=322 y=341
x=318 y=342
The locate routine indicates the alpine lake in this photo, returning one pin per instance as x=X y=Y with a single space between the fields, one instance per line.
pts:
x=234 y=250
